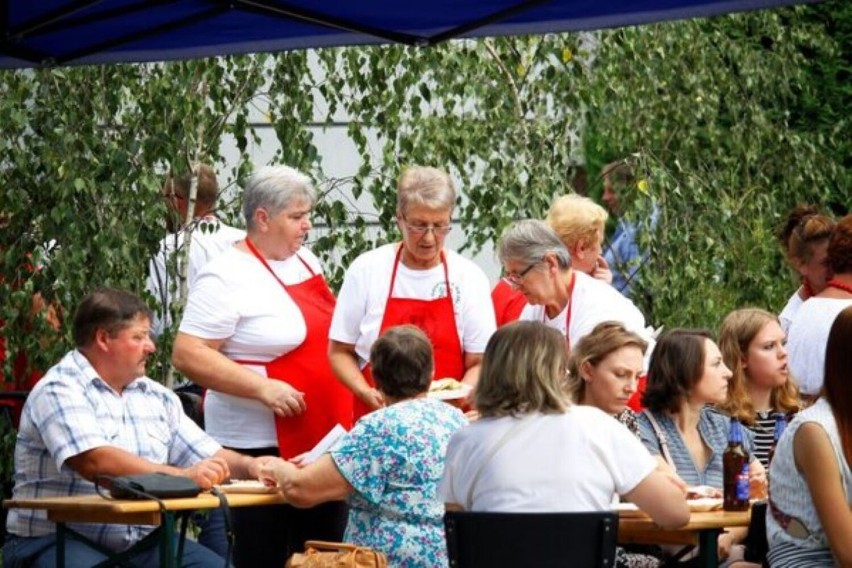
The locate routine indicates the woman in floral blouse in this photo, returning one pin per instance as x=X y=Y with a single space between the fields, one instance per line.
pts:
x=388 y=466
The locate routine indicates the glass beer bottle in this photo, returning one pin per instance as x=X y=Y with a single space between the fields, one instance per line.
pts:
x=735 y=467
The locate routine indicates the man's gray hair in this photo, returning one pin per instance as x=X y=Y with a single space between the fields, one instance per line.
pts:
x=529 y=241
x=274 y=188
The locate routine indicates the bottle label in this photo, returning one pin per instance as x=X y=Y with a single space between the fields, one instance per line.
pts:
x=741 y=489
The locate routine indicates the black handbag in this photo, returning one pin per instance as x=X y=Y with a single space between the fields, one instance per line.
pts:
x=152 y=486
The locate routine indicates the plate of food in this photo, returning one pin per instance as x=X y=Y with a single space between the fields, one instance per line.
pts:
x=702 y=492
x=448 y=389
x=245 y=486
x=704 y=504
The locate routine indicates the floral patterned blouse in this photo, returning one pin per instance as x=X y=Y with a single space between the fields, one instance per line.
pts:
x=394 y=458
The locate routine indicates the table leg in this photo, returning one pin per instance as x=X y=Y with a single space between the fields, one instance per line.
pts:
x=708 y=550
x=167 y=542
x=60 y=545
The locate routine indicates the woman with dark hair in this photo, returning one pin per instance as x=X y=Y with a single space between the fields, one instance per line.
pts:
x=389 y=464
x=810 y=498
x=754 y=348
x=808 y=332
x=534 y=451
x=685 y=376
x=804 y=238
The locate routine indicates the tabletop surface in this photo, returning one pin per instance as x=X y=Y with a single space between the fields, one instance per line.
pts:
x=96 y=502
x=640 y=529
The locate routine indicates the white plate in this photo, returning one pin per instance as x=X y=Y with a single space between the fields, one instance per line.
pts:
x=246 y=486
x=453 y=394
x=706 y=504
x=628 y=510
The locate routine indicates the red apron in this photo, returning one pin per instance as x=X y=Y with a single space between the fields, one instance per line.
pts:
x=307 y=369
x=436 y=318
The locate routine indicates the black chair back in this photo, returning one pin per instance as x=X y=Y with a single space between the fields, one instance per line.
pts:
x=540 y=540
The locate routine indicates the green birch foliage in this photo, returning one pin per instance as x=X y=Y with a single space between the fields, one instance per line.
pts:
x=84 y=153
x=729 y=122
x=721 y=119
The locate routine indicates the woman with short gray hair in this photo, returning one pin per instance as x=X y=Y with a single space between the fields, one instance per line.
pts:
x=536 y=262
x=255 y=334
x=579 y=223
x=415 y=281
x=274 y=189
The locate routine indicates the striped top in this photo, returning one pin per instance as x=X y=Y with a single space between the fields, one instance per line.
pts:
x=713 y=428
x=790 y=497
x=764 y=435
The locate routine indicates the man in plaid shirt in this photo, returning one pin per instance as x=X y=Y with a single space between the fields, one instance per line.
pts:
x=96 y=413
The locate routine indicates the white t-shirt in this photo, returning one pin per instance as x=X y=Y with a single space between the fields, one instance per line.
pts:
x=789 y=312
x=576 y=461
x=807 y=340
x=236 y=299
x=362 y=299
x=210 y=238
x=593 y=301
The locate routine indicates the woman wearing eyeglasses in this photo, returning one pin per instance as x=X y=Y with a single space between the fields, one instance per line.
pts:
x=537 y=264
x=579 y=222
x=416 y=281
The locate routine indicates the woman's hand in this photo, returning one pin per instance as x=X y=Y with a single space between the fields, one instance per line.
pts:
x=757 y=480
x=257 y=464
x=371 y=397
x=602 y=271
x=283 y=399
x=725 y=542
x=273 y=472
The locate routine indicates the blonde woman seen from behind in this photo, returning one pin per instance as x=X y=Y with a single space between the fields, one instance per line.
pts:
x=534 y=451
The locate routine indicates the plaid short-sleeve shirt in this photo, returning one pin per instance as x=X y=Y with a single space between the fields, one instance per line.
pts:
x=72 y=410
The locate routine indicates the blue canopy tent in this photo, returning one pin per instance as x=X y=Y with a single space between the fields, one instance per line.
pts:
x=73 y=32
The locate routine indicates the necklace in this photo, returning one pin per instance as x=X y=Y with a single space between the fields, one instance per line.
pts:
x=834 y=283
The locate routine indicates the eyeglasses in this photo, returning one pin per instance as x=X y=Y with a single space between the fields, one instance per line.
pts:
x=515 y=278
x=438 y=230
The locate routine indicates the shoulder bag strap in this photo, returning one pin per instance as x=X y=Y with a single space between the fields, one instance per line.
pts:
x=514 y=429
x=661 y=436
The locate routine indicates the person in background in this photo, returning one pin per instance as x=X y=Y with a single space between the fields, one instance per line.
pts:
x=415 y=281
x=804 y=238
x=254 y=333
x=204 y=234
x=537 y=263
x=389 y=465
x=94 y=414
x=532 y=450
x=604 y=370
x=686 y=376
x=810 y=497
x=579 y=222
x=808 y=332
x=623 y=256
x=36 y=319
x=753 y=346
